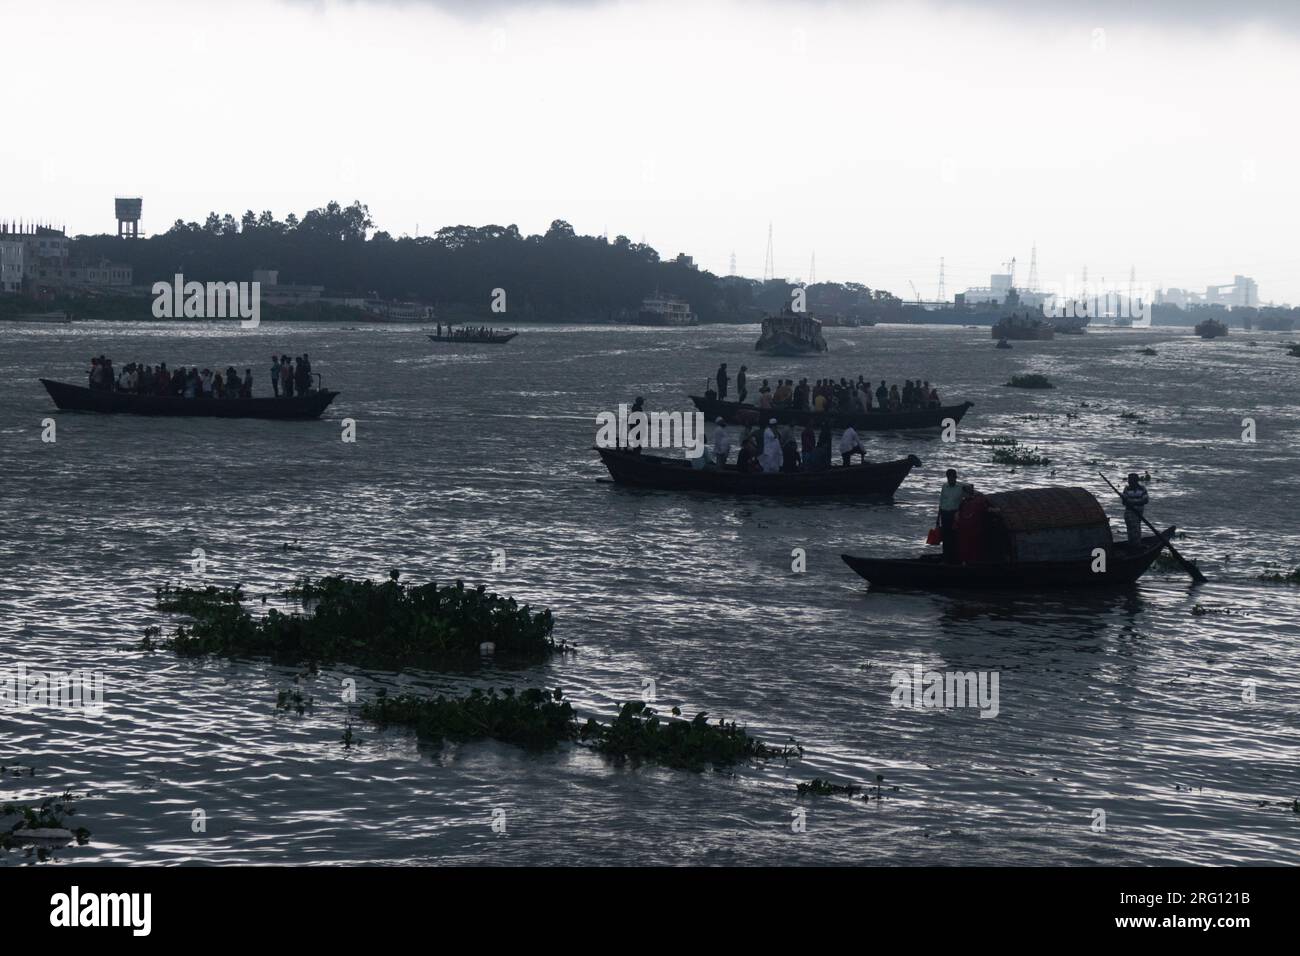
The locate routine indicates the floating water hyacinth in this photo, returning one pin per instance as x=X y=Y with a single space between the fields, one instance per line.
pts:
x=43 y=824
x=356 y=621
x=540 y=720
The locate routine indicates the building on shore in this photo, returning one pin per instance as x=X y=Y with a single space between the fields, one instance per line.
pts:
x=273 y=293
x=36 y=260
x=1241 y=292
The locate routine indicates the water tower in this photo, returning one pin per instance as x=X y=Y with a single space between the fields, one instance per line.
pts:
x=128 y=217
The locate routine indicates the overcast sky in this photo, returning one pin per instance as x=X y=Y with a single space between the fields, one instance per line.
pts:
x=881 y=136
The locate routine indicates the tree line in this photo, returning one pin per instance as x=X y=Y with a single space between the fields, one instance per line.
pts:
x=555 y=276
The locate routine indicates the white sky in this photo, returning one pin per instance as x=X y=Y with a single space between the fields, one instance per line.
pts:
x=883 y=136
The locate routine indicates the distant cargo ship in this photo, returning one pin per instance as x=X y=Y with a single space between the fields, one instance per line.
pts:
x=1022 y=327
x=665 y=310
x=791 y=333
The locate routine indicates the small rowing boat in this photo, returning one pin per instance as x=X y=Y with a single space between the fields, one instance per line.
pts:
x=677 y=474
x=77 y=398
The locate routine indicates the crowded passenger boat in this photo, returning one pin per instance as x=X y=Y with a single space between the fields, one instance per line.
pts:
x=288 y=376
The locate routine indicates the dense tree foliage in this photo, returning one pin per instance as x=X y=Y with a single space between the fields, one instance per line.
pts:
x=557 y=276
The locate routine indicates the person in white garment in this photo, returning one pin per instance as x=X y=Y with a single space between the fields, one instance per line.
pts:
x=850 y=445
x=770 y=459
x=721 y=442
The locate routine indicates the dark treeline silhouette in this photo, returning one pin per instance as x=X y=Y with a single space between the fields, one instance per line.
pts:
x=557 y=276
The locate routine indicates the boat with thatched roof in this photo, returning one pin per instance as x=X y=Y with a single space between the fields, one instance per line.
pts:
x=1029 y=539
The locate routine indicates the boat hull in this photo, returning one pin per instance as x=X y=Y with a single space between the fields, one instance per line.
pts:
x=1123 y=567
x=75 y=398
x=783 y=343
x=475 y=340
x=675 y=474
x=734 y=413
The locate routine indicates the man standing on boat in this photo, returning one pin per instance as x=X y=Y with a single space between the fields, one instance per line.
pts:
x=722 y=382
x=949 y=503
x=741 y=391
x=771 y=456
x=851 y=445
x=275 y=376
x=721 y=442
x=1135 y=498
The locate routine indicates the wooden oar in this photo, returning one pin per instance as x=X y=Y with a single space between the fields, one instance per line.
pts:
x=1188 y=566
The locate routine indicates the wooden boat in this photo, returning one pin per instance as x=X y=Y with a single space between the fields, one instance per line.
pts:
x=1036 y=538
x=791 y=333
x=77 y=398
x=1210 y=328
x=493 y=338
x=734 y=413
x=677 y=474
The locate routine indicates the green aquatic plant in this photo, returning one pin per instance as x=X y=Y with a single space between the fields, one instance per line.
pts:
x=818 y=787
x=50 y=814
x=1017 y=455
x=639 y=734
x=353 y=621
x=538 y=719
x=1277 y=577
x=1029 y=381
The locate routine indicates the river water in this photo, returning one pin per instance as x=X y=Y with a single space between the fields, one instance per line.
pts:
x=1128 y=730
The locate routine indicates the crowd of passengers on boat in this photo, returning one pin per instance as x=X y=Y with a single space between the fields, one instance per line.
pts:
x=288 y=375
x=825 y=394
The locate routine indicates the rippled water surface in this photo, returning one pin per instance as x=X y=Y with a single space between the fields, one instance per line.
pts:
x=1125 y=703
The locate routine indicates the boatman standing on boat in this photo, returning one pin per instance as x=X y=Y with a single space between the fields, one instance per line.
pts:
x=741 y=391
x=1135 y=499
x=851 y=445
x=770 y=459
x=722 y=382
x=721 y=442
x=949 y=503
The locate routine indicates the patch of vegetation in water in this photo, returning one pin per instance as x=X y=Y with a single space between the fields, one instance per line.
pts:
x=1019 y=455
x=638 y=734
x=1147 y=351
x=50 y=816
x=818 y=787
x=540 y=720
x=1029 y=381
x=1277 y=577
x=357 y=622
x=997 y=441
